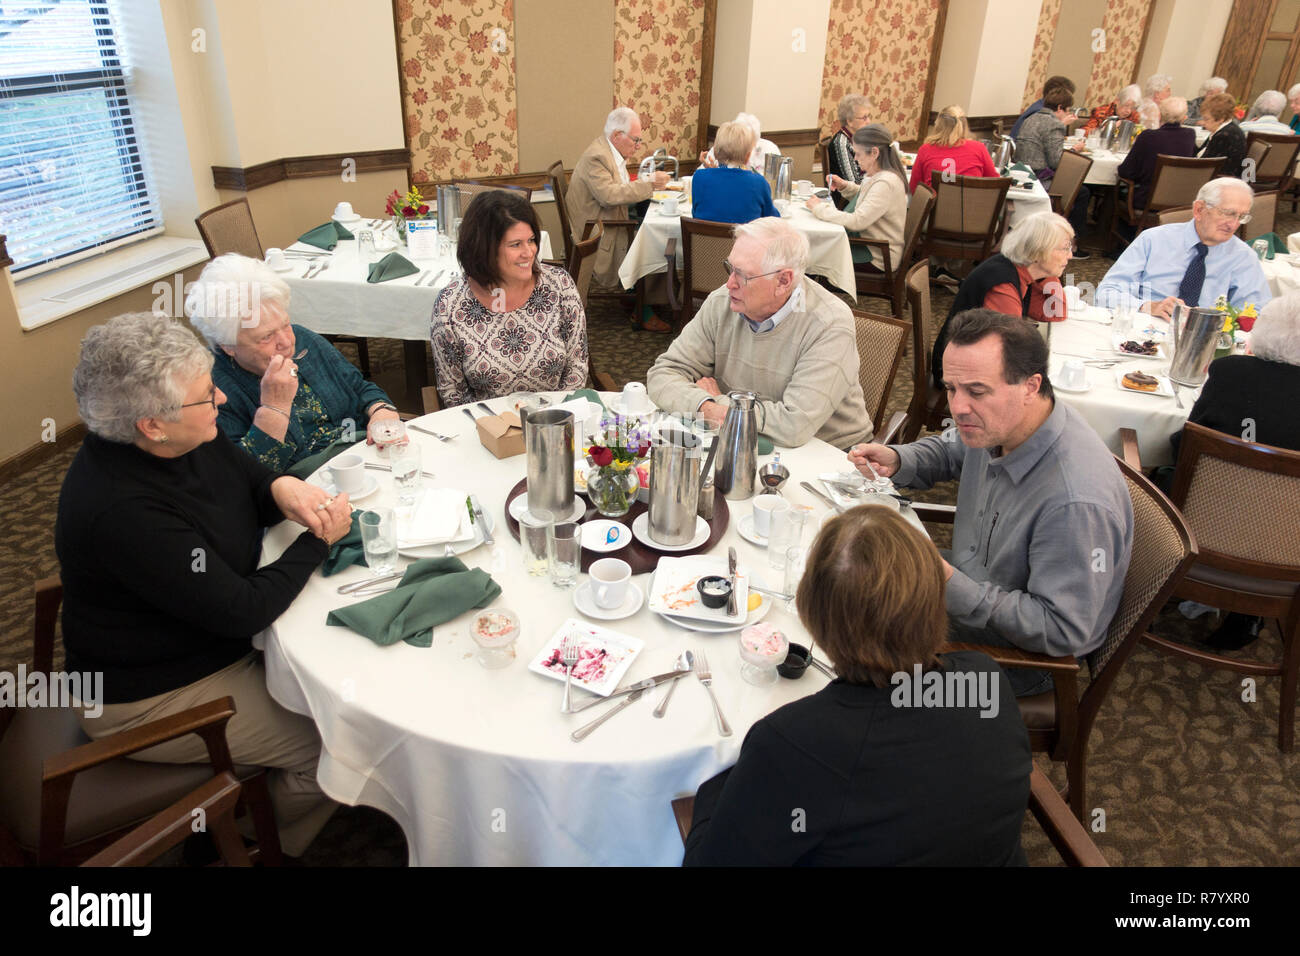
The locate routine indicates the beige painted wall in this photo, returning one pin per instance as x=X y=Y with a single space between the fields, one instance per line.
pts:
x=985 y=55
x=1072 y=50
x=1184 y=42
x=731 y=60
x=768 y=60
x=959 y=53
x=564 y=70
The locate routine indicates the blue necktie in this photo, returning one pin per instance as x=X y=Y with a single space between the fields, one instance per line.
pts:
x=1189 y=290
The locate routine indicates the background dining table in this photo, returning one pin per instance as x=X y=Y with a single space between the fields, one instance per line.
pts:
x=477 y=765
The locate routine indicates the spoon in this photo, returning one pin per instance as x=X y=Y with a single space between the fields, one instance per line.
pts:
x=685 y=664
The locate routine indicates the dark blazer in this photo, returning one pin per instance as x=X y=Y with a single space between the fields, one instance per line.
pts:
x=1242 y=387
x=846 y=778
x=1228 y=141
x=1140 y=164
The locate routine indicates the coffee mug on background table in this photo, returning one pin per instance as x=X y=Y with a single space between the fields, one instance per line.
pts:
x=764 y=507
x=669 y=206
x=803 y=188
x=349 y=473
x=609 y=580
x=634 y=399
x=275 y=258
x=344 y=211
x=1073 y=374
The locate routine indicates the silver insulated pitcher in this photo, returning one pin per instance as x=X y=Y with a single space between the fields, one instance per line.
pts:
x=1196 y=335
x=735 y=467
x=674 y=486
x=778 y=170
x=449 y=210
x=548 y=441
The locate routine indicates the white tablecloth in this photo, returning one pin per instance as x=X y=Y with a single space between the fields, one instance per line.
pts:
x=1281 y=271
x=1106 y=406
x=342 y=302
x=1105 y=166
x=829 y=252
x=477 y=766
x=1022 y=203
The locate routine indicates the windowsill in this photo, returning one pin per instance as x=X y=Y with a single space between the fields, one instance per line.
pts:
x=44 y=298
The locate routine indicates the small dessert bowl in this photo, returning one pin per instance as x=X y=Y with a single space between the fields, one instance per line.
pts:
x=495 y=630
x=762 y=648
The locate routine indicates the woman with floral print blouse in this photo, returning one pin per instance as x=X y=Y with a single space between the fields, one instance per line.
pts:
x=509 y=323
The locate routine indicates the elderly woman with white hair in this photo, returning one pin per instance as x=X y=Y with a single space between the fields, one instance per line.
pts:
x=731 y=192
x=1264 y=113
x=1226 y=138
x=1215 y=84
x=1172 y=138
x=761 y=149
x=1023 y=279
x=853 y=113
x=291 y=395
x=1159 y=86
x=1123 y=107
x=1293 y=101
x=159 y=531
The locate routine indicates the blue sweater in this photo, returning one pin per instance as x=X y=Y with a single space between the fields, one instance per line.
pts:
x=728 y=194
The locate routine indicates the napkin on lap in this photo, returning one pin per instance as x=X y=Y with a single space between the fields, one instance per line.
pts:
x=432 y=592
x=440 y=516
x=325 y=236
x=392 y=266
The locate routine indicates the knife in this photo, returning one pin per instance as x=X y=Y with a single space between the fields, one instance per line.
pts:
x=582 y=732
x=470 y=414
x=486 y=408
x=358 y=585
x=731 y=572
x=646 y=684
x=478 y=514
x=808 y=487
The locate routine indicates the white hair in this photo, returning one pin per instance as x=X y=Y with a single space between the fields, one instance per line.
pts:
x=1293 y=92
x=1173 y=109
x=1215 y=84
x=135 y=366
x=230 y=293
x=1149 y=113
x=1130 y=94
x=1268 y=103
x=619 y=120
x=750 y=120
x=1156 y=83
x=848 y=105
x=1212 y=192
x=784 y=246
x=1275 y=336
x=1031 y=239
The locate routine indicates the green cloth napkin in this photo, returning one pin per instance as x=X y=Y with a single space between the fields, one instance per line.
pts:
x=1020 y=167
x=432 y=592
x=765 y=445
x=325 y=236
x=587 y=393
x=1276 y=244
x=346 y=551
x=303 y=469
x=392 y=266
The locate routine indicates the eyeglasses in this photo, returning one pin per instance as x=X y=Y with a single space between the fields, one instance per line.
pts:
x=210 y=400
x=1241 y=217
x=744 y=279
x=636 y=140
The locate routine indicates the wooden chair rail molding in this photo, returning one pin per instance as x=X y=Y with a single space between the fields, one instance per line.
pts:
x=302 y=167
x=782 y=137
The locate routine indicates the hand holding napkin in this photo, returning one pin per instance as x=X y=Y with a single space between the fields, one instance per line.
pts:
x=346 y=551
x=432 y=592
x=325 y=236
x=392 y=266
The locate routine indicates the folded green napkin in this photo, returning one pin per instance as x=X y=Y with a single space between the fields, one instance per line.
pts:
x=1020 y=168
x=392 y=266
x=1276 y=244
x=346 y=551
x=765 y=445
x=325 y=236
x=587 y=393
x=432 y=592
x=302 y=469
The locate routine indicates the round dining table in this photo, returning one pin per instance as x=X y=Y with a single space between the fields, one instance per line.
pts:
x=477 y=765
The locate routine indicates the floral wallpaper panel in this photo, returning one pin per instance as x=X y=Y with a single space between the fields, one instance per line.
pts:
x=658 y=48
x=458 y=87
x=1113 y=66
x=845 y=70
x=1042 y=51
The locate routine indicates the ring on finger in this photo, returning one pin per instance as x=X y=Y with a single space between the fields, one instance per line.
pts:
x=324 y=505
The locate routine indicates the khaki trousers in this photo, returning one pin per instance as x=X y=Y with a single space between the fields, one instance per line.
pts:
x=261 y=734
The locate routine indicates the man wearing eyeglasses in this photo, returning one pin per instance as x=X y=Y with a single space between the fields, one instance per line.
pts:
x=1191 y=263
x=600 y=188
x=770 y=331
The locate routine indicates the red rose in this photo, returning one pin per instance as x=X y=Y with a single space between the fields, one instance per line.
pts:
x=643 y=450
x=424 y=210
x=408 y=212
x=1246 y=322
x=600 y=455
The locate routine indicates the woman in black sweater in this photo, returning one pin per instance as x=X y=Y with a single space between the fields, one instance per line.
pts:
x=878 y=768
x=159 y=532
x=1228 y=139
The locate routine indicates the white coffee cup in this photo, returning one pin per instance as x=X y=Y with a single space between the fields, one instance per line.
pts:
x=803 y=187
x=764 y=507
x=349 y=473
x=344 y=211
x=1073 y=374
x=1073 y=298
x=609 y=580
x=669 y=206
x=634 y=398
x=275 y=258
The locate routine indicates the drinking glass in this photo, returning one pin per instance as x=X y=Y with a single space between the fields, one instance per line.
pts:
x=366 y=253
x=406 y=472
x=787 y=532
x=795 y=560
x=532 y=535
x=1122 y=323
x=387 y=433
x=379 y=539
x=564 y=547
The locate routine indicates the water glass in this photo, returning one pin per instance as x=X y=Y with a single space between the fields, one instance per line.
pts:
x=387 y=433
x=564 y=547
x=1122 y=323
x=406 y=472
x=533 y=525
x=366 y=252
x=379 y=539
x=795 y=560
x=1261 y=248
x=787 y=532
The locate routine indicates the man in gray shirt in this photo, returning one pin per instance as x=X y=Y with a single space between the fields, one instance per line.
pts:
x=1044 y=525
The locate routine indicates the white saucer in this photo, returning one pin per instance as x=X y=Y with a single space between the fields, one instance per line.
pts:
x=641 y=531
x=595 y=533
x=355 y=217
x=520 y=505
x=327 y=482
x=745 y=528
x=287 y=267
x=1059 y=386
x=583 y=601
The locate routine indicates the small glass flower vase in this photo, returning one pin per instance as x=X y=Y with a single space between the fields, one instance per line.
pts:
x=399 y=223
x=1224 y=346
x=612 y=490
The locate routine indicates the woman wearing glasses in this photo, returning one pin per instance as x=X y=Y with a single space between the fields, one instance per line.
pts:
x=877 y=207
x=158 y=535
x=290 y=394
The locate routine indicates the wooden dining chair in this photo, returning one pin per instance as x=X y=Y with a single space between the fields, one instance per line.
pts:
x=469 y=188
x=1061 y=720
x=929 y=404
x=1174 y=214
x=1071 y=171
x=64 y=797
x=824 y=154
x=882 y=278
x=560 y=190
x=705 y=246
x=1175 y=182
x=1241 y=500
x=229 y=228
x=581 y=264
x=1276 y=170
x=882 y=340
x=966 y=222
x=1263 y=216
x=1256 y=155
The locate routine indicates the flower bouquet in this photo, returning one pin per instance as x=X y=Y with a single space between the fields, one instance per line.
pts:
x=614 y=452
x=402 y=208
x=1233 y=319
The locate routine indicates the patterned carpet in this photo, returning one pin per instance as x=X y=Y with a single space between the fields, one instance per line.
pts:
x=1185 y=772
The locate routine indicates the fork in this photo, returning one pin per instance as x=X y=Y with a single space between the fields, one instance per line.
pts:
x=428 y=431
x=706 y=678
x=1177 y=398
x=569 y=654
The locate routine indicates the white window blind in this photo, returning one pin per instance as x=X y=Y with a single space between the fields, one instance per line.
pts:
x=72 y=176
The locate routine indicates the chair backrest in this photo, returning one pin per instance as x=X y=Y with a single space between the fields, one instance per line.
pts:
x=1070 y=174
x=429 y=398
x=1263 y=215
x=1177 y=179
x=1174 y=214
x=1257 y=152
x=1242 y=500
x=229 y=228
x=705 y=245
x=967 y=208
x=881 y=341
x=469 y=188
x=918 y=212
x=1277 y=167
x=560 y=189
x=918 y=305
x=581 y=263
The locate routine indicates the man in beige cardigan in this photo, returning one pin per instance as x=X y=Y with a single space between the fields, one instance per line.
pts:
x=773 y=332
x=600 y=188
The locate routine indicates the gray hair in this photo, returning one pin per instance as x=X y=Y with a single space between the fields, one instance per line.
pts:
x=1215 y=84
x=1293 y=92
x=1156 y=83
x=1130 y=94
x=229 y=294
x=878 y=135
x=1035 y=236
x=1173 y=109
x=1212 y=192
x=1275 y=336
x=750 y=120
x=784 y=246
x=619 y=120
x=135 y=366
x=1268 y=103
x=849 y=105
x=1149 y=113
